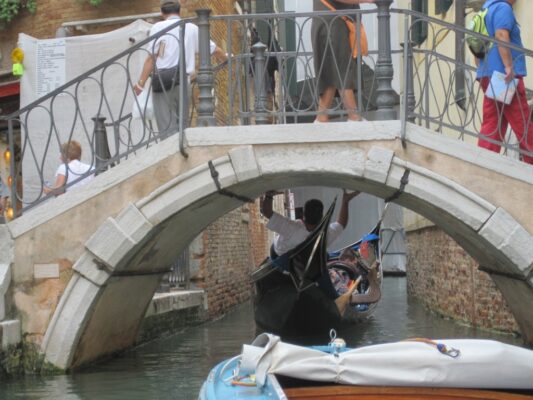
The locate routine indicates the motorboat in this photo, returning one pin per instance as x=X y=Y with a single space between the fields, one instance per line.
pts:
x=412 y=369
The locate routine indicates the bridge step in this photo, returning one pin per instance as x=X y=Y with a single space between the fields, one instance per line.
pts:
x=179 y=300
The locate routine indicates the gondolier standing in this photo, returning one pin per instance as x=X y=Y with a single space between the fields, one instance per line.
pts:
x=279 y=305
x=290 y=233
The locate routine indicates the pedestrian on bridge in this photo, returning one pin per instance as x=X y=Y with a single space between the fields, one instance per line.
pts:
x=335 y=44
x=501 y=24
x=71 y=171
x=162 y=64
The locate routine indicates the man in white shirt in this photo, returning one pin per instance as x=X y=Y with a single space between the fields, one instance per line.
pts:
x=165 y=51
x=290 y=233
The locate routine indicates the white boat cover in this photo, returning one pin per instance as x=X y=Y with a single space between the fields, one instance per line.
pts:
x=483 y=364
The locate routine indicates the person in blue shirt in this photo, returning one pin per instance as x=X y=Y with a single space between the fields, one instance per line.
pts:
x=501 y=24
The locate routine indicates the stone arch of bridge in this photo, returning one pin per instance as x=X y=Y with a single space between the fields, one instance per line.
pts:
x=97 y=314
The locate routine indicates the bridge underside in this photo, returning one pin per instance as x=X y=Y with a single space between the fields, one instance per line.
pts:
x=453 y=184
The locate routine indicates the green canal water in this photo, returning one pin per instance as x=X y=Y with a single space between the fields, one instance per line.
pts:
x=176 y=366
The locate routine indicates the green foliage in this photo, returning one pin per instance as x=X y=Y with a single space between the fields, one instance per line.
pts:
x=10 y=8
x=25 y=359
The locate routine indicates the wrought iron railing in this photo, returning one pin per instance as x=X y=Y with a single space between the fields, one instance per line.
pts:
x=282 y=78
x=245 y=91
x=67 y=114
x=178 y=276
x=104 y=125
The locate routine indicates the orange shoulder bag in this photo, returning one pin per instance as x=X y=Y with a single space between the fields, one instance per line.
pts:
x=352 y=29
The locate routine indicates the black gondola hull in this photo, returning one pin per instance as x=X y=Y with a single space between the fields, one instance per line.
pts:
x=280 y=309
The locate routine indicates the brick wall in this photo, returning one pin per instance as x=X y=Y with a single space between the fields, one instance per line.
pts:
x=231 y=248
x=258 y=234
x=445 y=278
x=50 y=14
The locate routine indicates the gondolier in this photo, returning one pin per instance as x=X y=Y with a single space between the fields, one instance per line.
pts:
x=290 y=233
x=294 y=294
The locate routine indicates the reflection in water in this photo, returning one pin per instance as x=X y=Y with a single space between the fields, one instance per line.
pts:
x=175 y=367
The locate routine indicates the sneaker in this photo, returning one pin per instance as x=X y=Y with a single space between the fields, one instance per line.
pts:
x=359 y=120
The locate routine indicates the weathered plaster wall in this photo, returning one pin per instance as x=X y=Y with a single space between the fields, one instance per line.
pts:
x=446 y=279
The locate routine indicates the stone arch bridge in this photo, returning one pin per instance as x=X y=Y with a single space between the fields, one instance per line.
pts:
x=119 y=231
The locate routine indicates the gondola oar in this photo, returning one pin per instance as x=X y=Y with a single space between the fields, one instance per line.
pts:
x=344 y=299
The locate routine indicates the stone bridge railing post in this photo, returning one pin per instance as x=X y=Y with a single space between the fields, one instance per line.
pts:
x=101 y=147
x=384 y=70
x=411 y=99
x=261 y=99
x=205 y=78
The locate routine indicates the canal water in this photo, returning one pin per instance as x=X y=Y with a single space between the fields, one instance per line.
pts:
x=176 y=366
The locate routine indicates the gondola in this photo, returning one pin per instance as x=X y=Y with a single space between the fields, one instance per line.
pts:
x=293 y=295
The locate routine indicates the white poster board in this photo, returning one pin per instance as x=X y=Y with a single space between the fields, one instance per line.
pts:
x=50 y=65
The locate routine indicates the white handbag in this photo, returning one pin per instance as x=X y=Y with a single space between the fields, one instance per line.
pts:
x=143 y=107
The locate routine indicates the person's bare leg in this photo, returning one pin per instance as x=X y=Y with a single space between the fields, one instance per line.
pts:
x=350 y=105
x=324 y=103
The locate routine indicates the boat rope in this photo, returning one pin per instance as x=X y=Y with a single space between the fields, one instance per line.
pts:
x=240 y=381
x=225 y=192
x=403 y=182
x=441 y=347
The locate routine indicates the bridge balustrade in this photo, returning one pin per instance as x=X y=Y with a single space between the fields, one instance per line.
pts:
x=262 y=82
